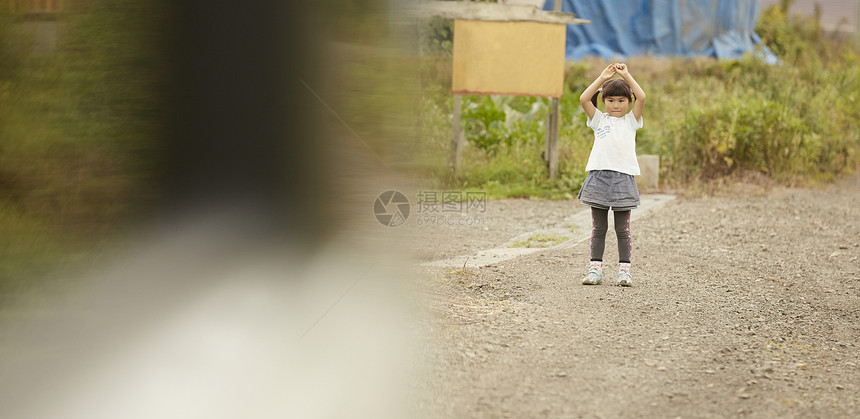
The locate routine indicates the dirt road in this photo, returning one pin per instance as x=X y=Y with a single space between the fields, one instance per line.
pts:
x=741 y=307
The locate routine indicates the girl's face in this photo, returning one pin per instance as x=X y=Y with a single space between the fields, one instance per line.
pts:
x=616 y=105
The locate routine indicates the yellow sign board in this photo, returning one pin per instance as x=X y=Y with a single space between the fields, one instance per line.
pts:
x=509 y=58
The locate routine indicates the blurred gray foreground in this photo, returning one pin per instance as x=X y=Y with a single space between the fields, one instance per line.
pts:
x=207 y=322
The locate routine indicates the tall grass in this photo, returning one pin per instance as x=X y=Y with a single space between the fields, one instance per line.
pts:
x=795 y=121
x=505 y=141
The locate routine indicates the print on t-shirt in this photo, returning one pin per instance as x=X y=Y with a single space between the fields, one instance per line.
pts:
x=601 y=132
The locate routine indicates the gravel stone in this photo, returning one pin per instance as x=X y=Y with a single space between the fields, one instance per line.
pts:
x=751 y=291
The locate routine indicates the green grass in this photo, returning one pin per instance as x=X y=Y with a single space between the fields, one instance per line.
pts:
x=540 y=240
x=709 y=120
x=74 y=125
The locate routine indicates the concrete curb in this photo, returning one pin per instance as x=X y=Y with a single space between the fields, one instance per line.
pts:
x=574 y=230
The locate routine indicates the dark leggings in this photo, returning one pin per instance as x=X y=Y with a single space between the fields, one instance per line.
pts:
x=600 y=223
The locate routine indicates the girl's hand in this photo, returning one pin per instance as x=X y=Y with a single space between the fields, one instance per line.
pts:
x=608 y=72
x=621 y=68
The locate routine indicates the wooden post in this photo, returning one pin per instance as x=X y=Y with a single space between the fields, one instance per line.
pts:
x=552 y=129
x=552 y=144
x=456 y=157
x=546 y=136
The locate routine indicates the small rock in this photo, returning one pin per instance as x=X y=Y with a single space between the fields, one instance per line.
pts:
x=709 y=371
x=800 y=365
x=561 y=374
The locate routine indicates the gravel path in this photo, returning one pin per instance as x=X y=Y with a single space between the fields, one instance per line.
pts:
x=741 y=307
x=443 y=236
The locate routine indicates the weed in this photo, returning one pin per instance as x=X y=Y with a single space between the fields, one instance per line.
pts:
x=541 y=240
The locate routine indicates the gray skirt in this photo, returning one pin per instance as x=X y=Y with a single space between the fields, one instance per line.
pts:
x=607 y=189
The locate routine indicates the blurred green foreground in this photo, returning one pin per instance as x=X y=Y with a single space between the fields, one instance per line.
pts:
x=78 y=111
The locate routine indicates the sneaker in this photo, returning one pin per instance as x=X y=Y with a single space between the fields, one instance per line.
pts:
x=592 y=277
x=624 y=279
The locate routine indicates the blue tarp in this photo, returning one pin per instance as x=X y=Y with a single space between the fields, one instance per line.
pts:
x=622 y=28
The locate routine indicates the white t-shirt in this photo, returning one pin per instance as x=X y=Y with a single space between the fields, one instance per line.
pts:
x=614 y=143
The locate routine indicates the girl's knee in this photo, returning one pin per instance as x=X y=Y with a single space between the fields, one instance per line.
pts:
x=622 y=232
x=599 y=222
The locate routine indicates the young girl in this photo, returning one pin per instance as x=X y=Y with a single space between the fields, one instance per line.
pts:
x=611 y=165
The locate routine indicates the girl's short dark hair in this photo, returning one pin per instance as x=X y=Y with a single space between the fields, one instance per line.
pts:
x=614 y=87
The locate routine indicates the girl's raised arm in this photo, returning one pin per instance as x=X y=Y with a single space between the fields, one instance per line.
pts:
x=590 y=91
x=639 y=104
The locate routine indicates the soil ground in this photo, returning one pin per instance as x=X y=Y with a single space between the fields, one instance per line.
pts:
x=744 y=305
